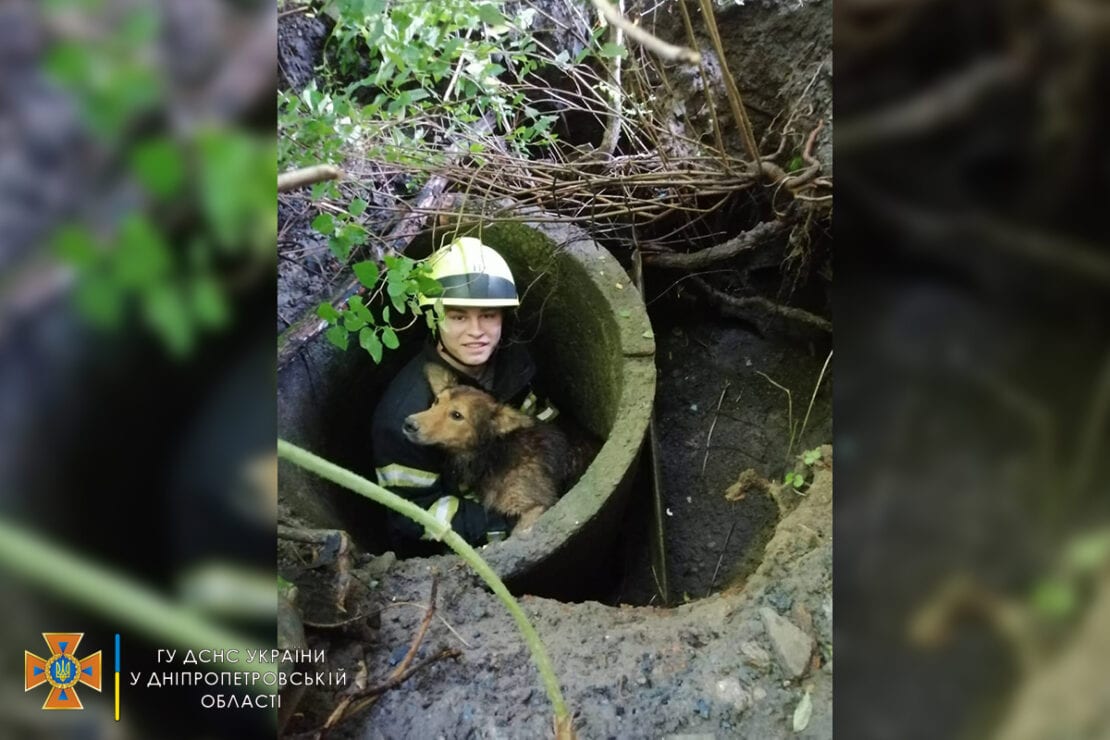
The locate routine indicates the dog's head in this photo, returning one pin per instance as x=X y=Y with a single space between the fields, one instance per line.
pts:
x=461 y=418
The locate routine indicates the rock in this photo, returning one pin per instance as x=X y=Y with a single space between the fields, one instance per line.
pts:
x=755 y=655
x=792 y=646
x=731 y=691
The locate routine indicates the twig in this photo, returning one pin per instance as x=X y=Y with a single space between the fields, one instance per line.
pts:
x=420 y=632
x=789 y=409
x=307 y=176
x=654 y=44
x=712 y=426
x=398 y=679
x=705 y=257
x=446 y=624
x=294 y=11
x=348 y=707
x=344 y=710
x=814 y=396
x=720 y=559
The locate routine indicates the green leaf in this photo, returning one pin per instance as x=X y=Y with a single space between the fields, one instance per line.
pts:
x=1055 y=599
x=141 y=256
x=1088 y=551
x=338 y=336
x=69 y=62
x=491 y=15
x=324 y=223
x=361 y=309
x=327 y=312
x=352 y=321
x=238 y=180
x=208 y=302
x=398 y=302
x=159 y=166
x=367 y=273
x=100 y=300
x=368 y=340
x=165 y=311
x=75 y=246
x=358 y=206
x=611 y=50
x=428 y=286
x=340 y=246
x=389 y=338
x=396 y=287
x=802 y=713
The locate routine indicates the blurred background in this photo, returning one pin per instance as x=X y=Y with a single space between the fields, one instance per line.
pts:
x=137 y=420
x=973 y=369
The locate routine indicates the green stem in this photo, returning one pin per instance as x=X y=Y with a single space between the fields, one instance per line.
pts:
x=332 y=472
x=98 y=589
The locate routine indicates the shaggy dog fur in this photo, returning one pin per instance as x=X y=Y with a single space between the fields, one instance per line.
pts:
x=517 y=465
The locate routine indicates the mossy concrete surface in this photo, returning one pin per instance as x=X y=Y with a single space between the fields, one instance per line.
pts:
x=594 y=349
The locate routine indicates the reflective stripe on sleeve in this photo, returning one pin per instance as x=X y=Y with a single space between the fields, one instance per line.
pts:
x=399 y=476
x=547 y=414
x=443 y=510
x=529 y=404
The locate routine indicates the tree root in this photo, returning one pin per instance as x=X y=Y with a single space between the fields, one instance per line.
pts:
x=740 y=306
x=750 y=239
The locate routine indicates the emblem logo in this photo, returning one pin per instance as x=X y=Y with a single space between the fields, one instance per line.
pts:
x=62 y=670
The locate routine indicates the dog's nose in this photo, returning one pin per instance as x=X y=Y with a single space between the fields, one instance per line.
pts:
x=409 y=427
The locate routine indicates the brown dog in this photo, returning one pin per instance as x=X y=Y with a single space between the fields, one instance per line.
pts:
x=518 y=466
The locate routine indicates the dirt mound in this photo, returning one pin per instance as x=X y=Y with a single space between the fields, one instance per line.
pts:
x=736 y=664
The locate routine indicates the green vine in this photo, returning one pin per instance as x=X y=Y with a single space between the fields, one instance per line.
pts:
x=340 y=476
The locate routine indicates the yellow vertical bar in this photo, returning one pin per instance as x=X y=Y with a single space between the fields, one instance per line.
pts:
x=117 y=697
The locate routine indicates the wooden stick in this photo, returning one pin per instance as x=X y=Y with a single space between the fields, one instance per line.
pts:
x=307 y=176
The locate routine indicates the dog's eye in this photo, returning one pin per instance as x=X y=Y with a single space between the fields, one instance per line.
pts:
x=456 y=416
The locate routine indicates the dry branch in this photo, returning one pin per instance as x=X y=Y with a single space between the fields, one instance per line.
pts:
x=706 y=257
x=307 y=176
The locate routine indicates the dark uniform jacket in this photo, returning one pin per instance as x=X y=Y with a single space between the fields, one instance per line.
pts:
x=414 y=471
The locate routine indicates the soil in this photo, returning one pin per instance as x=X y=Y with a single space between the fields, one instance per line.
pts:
x=706 y=654
x=710 y=668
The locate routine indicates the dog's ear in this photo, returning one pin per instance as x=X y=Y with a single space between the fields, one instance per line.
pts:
x=507 y=419
x=439 y=378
